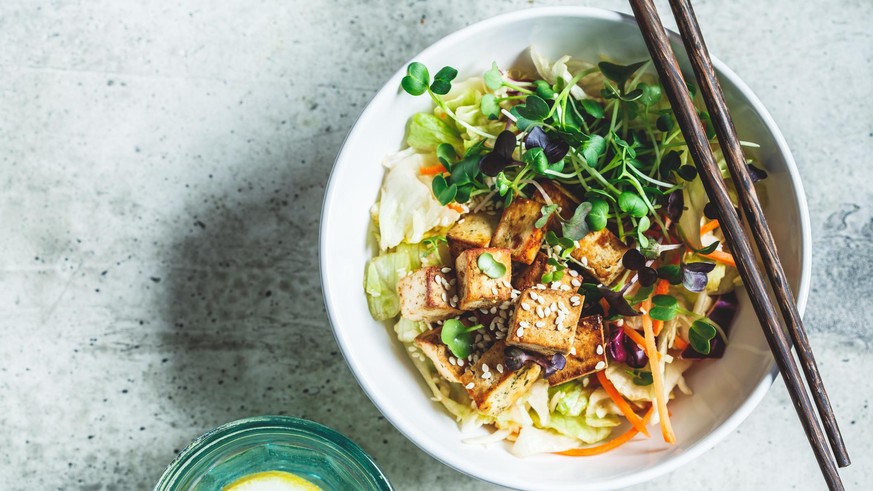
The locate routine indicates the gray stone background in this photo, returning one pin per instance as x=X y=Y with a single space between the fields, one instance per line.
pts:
x=162 y=172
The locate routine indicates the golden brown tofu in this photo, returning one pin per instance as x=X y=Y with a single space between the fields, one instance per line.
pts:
x=493 y=387
x=476 y=289
x=446 y=364
x=588 y=354
x=517 y=231
x=600 y=254
x=545 y=320
x=428 y=294
x=532 y=275
x=475 y=231
x=559 y=196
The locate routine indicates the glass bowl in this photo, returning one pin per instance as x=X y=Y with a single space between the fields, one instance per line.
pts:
x=272 y=443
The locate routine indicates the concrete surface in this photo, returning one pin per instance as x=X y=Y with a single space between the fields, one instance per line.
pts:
x=162 y=173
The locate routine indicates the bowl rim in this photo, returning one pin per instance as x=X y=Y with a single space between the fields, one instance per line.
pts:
x=758 y=392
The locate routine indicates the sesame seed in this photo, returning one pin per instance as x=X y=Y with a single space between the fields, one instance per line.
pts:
x=541 y=300
x=574 y=298
x=547 y=311
x=541 y=287
x=500 y=367
x=452 y=360
x=600 y=365
x=484 y=311
x=446 y=270
x=493 y=310
x=485 y=367
x=460 y=362
x=599 y=349
x=619 y=322
x=519 y=332
x=573 y=273
x=455 y=299
x=565 y=288
x=486 y=375
x=411 y=349
x=585 y=382
x=452 y=281
x=494 y=290
x=540 y=312
x=573 y=350
x=516 y=292
x=575 y=282
x=540 y=324
x=443 y=296
x=507 y=284
x=525 y=306
x=504 y=306
x=461 y=220
x=533 y=295
x=524 y=324
x=469 y=386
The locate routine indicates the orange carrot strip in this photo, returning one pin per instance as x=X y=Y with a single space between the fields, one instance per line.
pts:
x=432 y=170
x=722 y=256
x=619 y=401
x=680 y=343
x=708 y=227
x=657 y=375
x=605 y=305
x=456 y=207
x=635 y=336
x=610 y=445
x=660 y=289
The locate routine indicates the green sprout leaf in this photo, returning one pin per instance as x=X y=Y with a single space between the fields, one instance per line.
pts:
x=687 y=172
x=641 y=294
x=537 y=160
x=664 y=308
x=444 y=192
x=457 y=338
x=632 y=204
x=534 y=108
x=489 y=106
x=642 y=226
x=577 y=227
x=640 y=377
x=544 y=90
x=700 y=335
x=593 y=148
x=442 y=81
x=520 y=121
x=489 y=266
x=446 y=155
x=416 y=80
x=503 y=184
x=493 y=78
x=597 y=215
x=672 y=273
x=651 y=94
x=592 y=107
x=619 y=73
x=546 y=210
x=708 y=249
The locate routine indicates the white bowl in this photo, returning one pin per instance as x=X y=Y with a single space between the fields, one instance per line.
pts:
x=726 y=391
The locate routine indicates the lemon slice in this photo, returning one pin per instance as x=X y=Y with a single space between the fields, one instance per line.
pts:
x=272 y=481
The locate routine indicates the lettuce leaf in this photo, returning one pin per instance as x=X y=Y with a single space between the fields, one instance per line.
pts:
x=380 y=281
x=572 y=398
x=426 y=132
x=578 y=427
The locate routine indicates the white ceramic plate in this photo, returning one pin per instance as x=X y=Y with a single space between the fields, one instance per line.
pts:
x=726 y=391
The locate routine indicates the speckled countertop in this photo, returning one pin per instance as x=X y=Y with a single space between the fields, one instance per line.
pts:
x=162 y=172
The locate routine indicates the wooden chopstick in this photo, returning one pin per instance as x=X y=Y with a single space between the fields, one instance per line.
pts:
x=712 y=94
x=695 y=136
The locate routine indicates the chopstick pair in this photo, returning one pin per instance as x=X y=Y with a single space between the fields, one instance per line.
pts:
x=692 y=129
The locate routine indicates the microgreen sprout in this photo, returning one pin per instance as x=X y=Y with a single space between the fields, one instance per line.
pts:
x=457 y=337
x=490 y=267
x=700 y=335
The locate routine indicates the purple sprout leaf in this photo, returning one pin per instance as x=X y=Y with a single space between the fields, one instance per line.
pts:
x=633 y=259
x=722 y=314
x=623 y=349
x=694 y=275
x=554 y=148
x=647 y=276
x=617 y=303
x=515 y=358
x=501 y=157
x=675 y=205
x=756 y=173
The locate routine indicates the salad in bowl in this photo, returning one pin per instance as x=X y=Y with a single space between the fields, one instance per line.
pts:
x=547 y=255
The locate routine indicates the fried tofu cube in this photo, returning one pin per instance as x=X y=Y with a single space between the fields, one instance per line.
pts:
x=428 y=294
x=559 y=196
x=475 y=231
x=588 y=354
x=545 y=320
x=600 y=254
x=495 y=388
x=476 y=289
x=430 y=343
x=517 y=230
x=532 y=275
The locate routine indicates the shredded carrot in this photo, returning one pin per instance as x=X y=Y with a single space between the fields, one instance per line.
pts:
x=619 y=401
x=611 y=444
x=605 y=305
x=660 y=289
x=708 y=227
x=657 y=375
x=680 y=343
x=456 y=207
x=432 y=170
x=722 y=256
x=635 y=336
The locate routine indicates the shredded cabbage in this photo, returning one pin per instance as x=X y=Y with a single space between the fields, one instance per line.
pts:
x=572 y=398
x=464 y=100
x=426 y=132
x=566 y=68
x=578 y=427
x=617 y=373
x=533 y=441
x=407 y=330
x=407 y=209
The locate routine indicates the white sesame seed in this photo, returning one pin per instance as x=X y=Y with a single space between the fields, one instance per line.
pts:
x=519 y=332
x=461 y=220
x=565 y=288
x=541 y=287
x=533 y=295
x=500 y=368
x=540 y=312
x=485 y=367
x=446 y=270
x=541 y=300
x=575 y=282
x=525 y=306
x=516 y=292
x=452 y=360
x=470 y=386
x=499 y=335
x=599 y=349
x=547 y=311
x=411 y=349
x=573 y=273
x=585 y=382
x=484 y=311
x=443 y=296
x=493 y=310
x=507 y=284
x=600 y=365
x=505 y=305
x=619 y=322
x=540 y=324
x=494 y=290
x=572 y=350
x=452 y=281
x=524 y=324
x=486 y=375
x=574 y=298
x=460 y=362
x=555 y=285
x=455 y=298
